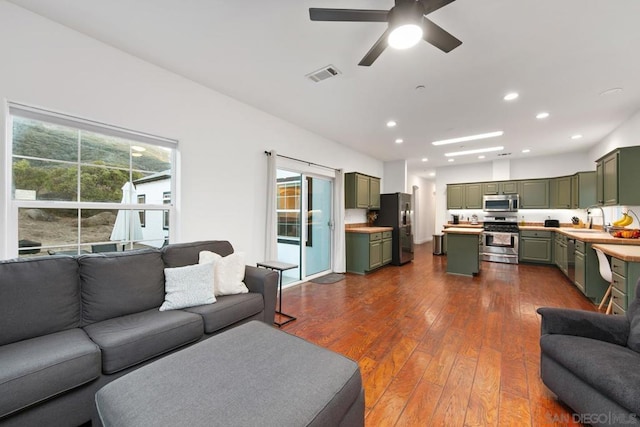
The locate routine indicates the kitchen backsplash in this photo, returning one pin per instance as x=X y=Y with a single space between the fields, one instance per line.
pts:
x=611 y=213
x=355 y=216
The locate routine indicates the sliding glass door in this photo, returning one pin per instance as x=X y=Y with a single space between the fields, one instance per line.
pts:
x=304 y=224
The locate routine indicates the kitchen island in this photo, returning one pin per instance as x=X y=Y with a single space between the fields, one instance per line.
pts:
x=463 y=250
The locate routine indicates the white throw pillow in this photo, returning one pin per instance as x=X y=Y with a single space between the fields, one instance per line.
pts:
x=188 y=286
x=228 y=272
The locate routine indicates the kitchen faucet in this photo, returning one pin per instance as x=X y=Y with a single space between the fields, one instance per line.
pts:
x=604 y=224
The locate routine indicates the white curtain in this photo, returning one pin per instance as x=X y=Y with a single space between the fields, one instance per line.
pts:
x=271 y=236
x=339 y=254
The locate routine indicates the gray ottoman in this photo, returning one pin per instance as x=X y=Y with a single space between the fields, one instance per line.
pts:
x=251 y=375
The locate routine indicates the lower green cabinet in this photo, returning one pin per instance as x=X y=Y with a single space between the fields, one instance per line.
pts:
x=463 y=254
x=367 y=251
x=625 y=278
x=536 y=246
x=387 y=247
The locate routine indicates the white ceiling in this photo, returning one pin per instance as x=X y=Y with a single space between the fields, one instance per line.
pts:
x=560 y=55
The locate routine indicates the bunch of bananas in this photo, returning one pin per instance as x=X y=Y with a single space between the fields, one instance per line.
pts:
x=624 y=221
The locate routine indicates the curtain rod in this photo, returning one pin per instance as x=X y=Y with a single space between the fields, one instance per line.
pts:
x=268 y=153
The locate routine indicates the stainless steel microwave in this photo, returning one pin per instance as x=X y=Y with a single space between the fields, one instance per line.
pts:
x=501 y=203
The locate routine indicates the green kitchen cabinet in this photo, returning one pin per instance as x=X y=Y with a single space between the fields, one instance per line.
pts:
x=463 y=254
x=587 y=272
x=473 y=196
x=625 y=277
x=561 y=192
x=534 y=194
x=560 y=254
x=455 y=196
x=583 y=190
x=500 y=187
x=536 y=246
x=618 y=176
x=361 y=191
x=365 y=251
x=387 y=247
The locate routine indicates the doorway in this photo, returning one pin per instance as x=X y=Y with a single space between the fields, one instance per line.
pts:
x=305 y=226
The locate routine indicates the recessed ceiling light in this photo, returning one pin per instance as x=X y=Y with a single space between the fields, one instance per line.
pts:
x=481 y=156
x=542 y=115
x=451 y=160
x=420 y=87
x=511 y=96
x=611 y=91
x=424 y=159
x=433 y=173
x=526 y=150
x=469 y=138
x=391 y=123
x=577 y=136
x=476 y=151
x=399 y=141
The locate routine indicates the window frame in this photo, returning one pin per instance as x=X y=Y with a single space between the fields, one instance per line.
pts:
x=11 y=226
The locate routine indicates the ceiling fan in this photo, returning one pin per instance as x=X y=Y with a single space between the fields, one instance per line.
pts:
x=408 y=24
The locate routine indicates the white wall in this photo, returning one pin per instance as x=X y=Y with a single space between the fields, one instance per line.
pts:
x=425 y=208
x=395 y=177
x=222 y=166
x=626 y=135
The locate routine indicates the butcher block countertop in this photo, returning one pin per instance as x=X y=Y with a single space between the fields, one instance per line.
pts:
x=587 y=235
x=463 y=230
x=623 y=252
x=369 y=230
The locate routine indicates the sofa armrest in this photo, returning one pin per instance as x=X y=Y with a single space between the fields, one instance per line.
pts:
x=265 y=282
x=587 y=324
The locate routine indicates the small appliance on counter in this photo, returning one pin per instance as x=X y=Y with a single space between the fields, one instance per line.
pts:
x=474 y=219
x=551 y=223
x=455 y=219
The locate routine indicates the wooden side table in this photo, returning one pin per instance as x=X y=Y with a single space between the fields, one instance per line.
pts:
x=279 y=267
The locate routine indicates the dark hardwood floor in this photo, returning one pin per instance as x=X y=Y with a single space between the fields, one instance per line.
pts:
x=436 y=349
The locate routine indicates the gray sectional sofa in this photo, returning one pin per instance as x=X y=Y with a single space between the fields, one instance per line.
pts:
x=591 y=361
x=70 y=325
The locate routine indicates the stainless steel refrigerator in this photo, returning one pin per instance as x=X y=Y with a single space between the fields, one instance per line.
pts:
x=396 y=210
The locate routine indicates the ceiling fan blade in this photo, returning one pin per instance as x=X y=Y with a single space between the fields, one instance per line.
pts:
x=433 y=5
x=349 y=15
x=438 y=37
x=375 y=50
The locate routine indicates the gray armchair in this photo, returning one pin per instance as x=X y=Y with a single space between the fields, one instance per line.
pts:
x=591 y=361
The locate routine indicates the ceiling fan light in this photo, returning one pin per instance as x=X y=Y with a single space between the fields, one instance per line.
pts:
x=405 y=36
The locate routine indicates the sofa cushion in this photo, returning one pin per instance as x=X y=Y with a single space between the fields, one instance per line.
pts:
x=611 y=369
x=228 y=310
x=188 y=286
x=128 y=340
x=42 y=367
x=37 y=297
x=181 y=254
x=120 y=283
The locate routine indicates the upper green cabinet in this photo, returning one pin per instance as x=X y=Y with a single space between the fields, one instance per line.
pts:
x=473 y=196
x=561 y=192
x=618 y=176
x=464 y=196
x=534 y=194
x=361 y=191
x=500 y=187
x=455 y=196
x=583 y=190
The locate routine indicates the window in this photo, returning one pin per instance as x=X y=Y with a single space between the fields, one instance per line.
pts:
x=288 y=208
x=141 y=201
x=74 y=183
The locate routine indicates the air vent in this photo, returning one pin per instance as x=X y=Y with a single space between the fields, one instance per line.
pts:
x=504 y=154
x=323 y=73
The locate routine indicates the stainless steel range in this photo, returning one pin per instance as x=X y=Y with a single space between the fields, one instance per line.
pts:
x=500 y=239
